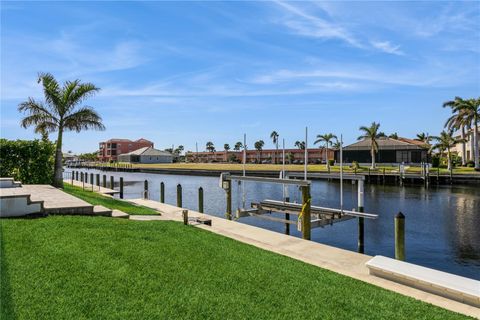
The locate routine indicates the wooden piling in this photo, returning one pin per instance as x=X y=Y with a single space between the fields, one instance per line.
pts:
x=228 y=191
x=73 y=174
x=121 y=188
x=76 y=175
x=185 y=217
x=400 y=236
x=200 y=200
x=287 y=217
x=104 y=181
x=361 y=220
x=81 y=176
x=306 y=217
x=179 y=195
x=112 y=183
x=98 y=179
x=91 y=179
x=145 y=189
x=162 y=192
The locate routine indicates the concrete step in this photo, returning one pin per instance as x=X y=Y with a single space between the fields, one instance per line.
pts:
x=120 y=214
x=102 y=211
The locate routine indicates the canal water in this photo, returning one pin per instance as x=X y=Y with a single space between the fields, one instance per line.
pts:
x=442 y=222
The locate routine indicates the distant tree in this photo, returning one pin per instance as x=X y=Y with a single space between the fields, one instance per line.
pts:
x=393 y=136
x=300 y=145
x=327 y=138
x=465 y=115
x=92 y=156
x=290 y=157
x=61 y=112
x=238 y=146
x=336 y=145
x=259 y=147
x=445 y=142
x=210 y=147
x=372 y=134
x=274 y=136
x=178 y=151
x=226 y=147
x=424 y=137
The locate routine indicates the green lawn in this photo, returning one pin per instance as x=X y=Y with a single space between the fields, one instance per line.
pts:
x=67 y=267
x=108 y=202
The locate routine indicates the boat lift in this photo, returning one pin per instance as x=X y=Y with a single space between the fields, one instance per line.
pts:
x=308 y=216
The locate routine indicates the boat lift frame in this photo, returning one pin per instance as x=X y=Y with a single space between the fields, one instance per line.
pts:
x=305 y=209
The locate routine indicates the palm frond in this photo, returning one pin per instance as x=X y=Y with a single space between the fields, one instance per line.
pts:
x=51 y=90
x=84 y=118
x=76 y=92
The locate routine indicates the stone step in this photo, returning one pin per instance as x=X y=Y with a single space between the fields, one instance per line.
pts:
x=120 y=214
x=102 y=211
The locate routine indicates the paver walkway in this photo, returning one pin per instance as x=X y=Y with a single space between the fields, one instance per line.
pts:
x=345 y=262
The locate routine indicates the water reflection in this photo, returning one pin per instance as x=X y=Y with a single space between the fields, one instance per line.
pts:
x=442 y=222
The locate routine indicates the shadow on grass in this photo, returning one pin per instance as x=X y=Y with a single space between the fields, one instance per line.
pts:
x=7 y=310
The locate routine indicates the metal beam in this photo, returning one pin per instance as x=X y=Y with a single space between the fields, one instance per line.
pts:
x=327 y=176
x=269 y=180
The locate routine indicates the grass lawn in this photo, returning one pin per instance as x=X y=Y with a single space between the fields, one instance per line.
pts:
x=108 y=202
x=293 y=167
x=66 y=267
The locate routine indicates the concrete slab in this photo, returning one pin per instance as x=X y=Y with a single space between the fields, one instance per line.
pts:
x=338 y=260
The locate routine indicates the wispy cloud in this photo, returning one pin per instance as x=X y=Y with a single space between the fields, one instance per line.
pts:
x=314 y=26
x=387 y=47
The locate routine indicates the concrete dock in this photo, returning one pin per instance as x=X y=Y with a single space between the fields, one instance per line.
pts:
x=345 y=262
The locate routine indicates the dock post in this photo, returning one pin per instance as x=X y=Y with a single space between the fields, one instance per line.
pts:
x=145 y=189
x=228 y=190
x=200 y=200
x=76 y=175
x=112 y=183
x=162 y=192
x=104 y=180
x=287 y=217
x=185 y=217
x=361 y=220
x=91 y=179
x=121 y=188
x=73 y=174
x=306 y=218
x=400 y=236
x=81 y=176
x=179 y=195
x=98 y=179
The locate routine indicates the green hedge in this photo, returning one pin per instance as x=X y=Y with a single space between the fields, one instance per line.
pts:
x=30 y=162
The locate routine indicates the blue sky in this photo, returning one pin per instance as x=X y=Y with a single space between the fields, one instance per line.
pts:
x=186 y=72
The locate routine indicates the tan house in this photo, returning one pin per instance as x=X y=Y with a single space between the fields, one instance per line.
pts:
x=468 y=153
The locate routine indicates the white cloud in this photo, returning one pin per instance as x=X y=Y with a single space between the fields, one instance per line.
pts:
x=387 y=47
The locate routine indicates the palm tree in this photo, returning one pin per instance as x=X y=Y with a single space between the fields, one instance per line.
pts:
x=238 y=146
x=445 y=141
x=226 y=147
x=274 y=136
x=259 y=146
x=371 y=133
x=424 y=137
x=61 y=112
x=300 y=145
x=393 y=136
x=327 y=138
x=465 y=115
x=336 y=145
x=210 y=147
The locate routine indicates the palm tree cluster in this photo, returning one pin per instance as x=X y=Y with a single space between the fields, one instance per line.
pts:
x=60 y=112
x=465 y=117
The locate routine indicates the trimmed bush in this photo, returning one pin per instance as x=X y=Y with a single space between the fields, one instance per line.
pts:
x=28 y=161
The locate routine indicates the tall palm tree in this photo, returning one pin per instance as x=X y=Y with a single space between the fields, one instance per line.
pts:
x=424 y=137
x=327 y=138
x=259 y=147
x=445 y=142
x=226 y=147
x=300 y=145
x=465 y=115
x=238 y=146
x=61 y=112
x=274 y=136
x=210 y=147
x=371 y=133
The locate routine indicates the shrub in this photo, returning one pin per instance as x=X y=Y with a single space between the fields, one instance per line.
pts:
x=470 y=164
x=331 y=162
x=355 y=165
x=28 y=161
x=435 y=161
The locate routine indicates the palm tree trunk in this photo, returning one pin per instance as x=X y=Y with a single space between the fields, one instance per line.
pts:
x=57 y=173
x=326 y=157
x=475 y=144
x=276 y=153
x=449 y=160
x=372 y=152
x=464 y=147
x=472 y=144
